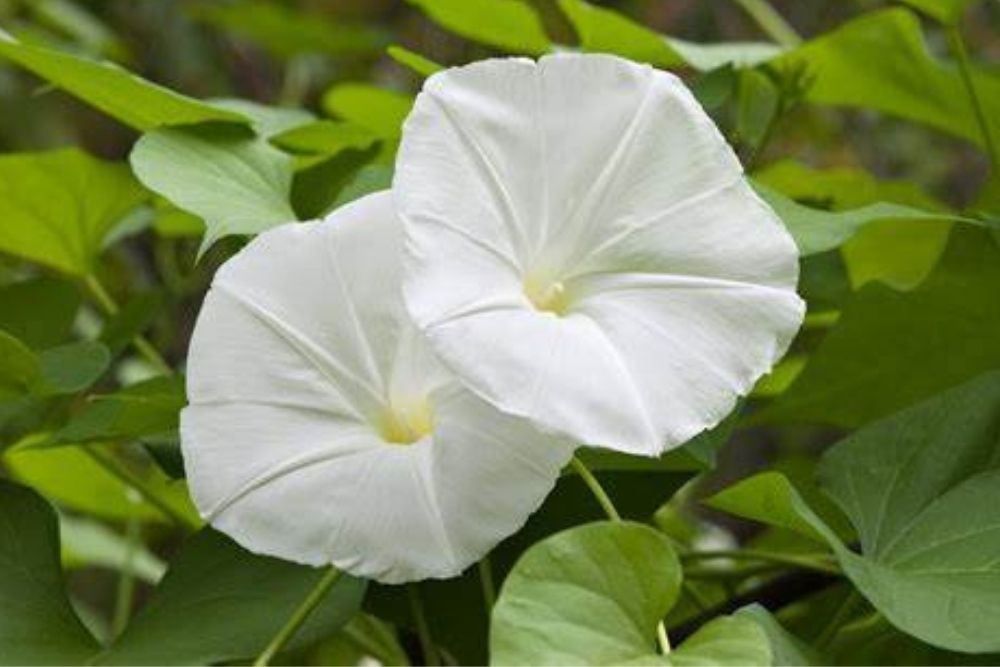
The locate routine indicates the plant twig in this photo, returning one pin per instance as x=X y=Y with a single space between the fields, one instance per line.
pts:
x=814 y=562
x=112 y=464
x=107 y=303
x=299 y=617
x=961 y=54
x=427 y=646
x=771 y=22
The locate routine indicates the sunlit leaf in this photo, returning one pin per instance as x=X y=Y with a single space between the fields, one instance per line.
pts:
x=132 y=100
x=266 y=121
x=416 y=62
x=57 y=207
x=73 y=480
x=880 y=61
x=376 y=109
x=590 y=595
x=90 y=543
x=325 y=137
x=605 y=30
x=236 y=184
x=244 y=599
x=511 y=25
x=37 y=621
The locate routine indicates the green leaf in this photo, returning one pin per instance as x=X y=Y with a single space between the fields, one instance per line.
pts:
x=148 y=408
x=948 y=12
x=376 y=109
x=130 y=99
x=57 y=207
x=880 y=61
x=510 y=25
x=368 y=179
x=131 y=320
x=39 y=312
x=241 y=597
x=891 y=349
x=590 y=595
x=325 y=137
x=722 y=642
x=70 y=368
x=757 y=106
x=37 y=622
x=607 y=31
x=286 y=32
x=921 y=487
x=18 y=367
x=71 y=478
x=266 y=121
x=416 y=62
x=816 y=230
x=237 y=184
x=787 y=650
x=769 y=498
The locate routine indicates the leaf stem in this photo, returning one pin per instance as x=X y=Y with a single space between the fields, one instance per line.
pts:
x=961 y=54
x=120 y=470
x=771 y=22
x=595 y=488
x=126 y=580
x=609 y=508
x=107 y=303
x=806 y=562
x=423 y=630
x=299 y=616
x=486 y=581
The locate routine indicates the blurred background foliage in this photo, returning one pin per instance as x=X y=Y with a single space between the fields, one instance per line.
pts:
x=841 y=111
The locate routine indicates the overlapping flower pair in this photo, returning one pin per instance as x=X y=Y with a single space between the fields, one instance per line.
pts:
x=569 y=255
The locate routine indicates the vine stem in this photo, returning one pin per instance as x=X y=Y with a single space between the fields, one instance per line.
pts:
x=423 y=629
x=771 y=22
x=126 y=580
x=486 y=581
x=609 y=508
x=807 y=562
x=299 y=616
x=107 y=303
x=961 y=54
x=118 y=469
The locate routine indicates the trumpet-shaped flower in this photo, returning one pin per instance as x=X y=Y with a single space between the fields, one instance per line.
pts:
x=583 y=250
x=322 y=430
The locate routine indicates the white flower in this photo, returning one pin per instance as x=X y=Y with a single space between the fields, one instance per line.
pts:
x=583 y=250
x=320 y=429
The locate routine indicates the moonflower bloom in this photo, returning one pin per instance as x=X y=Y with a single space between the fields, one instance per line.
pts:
x=583 y=250
x=320 y=428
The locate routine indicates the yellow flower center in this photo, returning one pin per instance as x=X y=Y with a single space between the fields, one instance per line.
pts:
x=406 y=422
x=546 y=295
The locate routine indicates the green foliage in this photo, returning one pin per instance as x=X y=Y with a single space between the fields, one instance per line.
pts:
x=919 y=486
x=134 y=101
x=37 y=621
x=590 y=595
x=243 y=598
x=880 y=61
x=511 y=25
x=59 y=206
x=235 y=183
x=879 y=549
x=378 y=110
x=890 y=349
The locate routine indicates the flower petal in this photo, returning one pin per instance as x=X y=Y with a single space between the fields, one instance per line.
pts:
x=300 y=351
x=570 y=177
